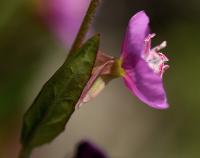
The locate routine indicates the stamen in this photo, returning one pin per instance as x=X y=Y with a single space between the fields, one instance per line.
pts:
x=164 y=58
x=147 y=41
x=161 y=46
x=164 y=68
x=149 y=37
x=155 y=59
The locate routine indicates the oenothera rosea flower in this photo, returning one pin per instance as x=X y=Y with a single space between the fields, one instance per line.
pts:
x=63 y=17
x=87 y=149
x=143 y=67
x=140 y=66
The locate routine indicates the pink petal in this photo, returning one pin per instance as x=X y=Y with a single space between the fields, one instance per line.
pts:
x=63 y=17
x=146 y=85
x=136 y=33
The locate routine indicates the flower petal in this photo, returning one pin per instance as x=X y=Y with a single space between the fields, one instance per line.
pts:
x=89 y=150
x=146 y=85
x=63 y=17
x=136 y=33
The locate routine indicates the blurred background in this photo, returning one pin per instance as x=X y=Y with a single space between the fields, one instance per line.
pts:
x=117 y=121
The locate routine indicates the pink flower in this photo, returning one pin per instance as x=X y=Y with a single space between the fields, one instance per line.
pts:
x=140 y=66
x=143 y=67
x=63 y=17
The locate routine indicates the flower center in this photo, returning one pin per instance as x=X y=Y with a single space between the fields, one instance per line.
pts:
x=155 y=59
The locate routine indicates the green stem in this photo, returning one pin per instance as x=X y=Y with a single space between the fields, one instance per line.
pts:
x=25 y=153
x=85 y=25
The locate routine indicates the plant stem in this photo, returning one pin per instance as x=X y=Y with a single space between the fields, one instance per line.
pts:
x=85 y=25
x=25 y=152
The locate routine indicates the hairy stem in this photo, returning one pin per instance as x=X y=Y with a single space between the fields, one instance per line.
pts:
x=85 y=25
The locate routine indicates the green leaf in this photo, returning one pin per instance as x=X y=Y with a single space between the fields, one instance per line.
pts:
x=55 y=103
